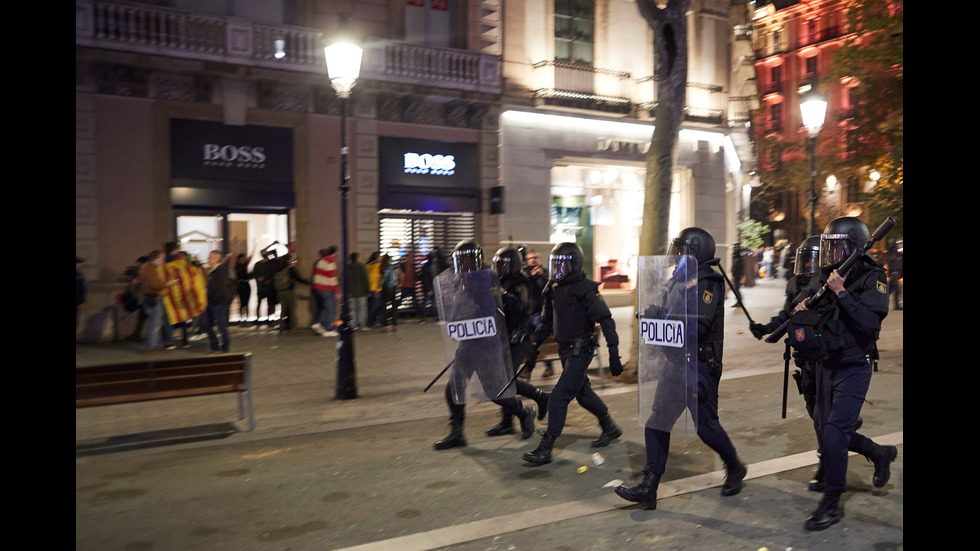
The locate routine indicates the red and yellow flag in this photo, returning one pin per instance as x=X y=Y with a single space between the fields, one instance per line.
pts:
x=188 y=298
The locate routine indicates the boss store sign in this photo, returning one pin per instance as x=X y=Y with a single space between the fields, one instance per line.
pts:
x=216 y=163
x=428 y=175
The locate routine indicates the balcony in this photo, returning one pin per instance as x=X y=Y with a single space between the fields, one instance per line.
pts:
x=824 y=35
x=702 y=102
x=565 y=84
x=150 y=30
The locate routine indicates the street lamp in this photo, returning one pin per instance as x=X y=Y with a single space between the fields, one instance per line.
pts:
x=343 y=67
x=813 y=108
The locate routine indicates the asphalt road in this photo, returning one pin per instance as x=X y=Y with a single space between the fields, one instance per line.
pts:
x=319 y=473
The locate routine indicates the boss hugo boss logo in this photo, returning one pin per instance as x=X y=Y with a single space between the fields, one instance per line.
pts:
x=232 y=155
x=424 y=163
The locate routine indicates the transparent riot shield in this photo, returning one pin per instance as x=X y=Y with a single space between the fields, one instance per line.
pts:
x=474 y=334
x=667 y=289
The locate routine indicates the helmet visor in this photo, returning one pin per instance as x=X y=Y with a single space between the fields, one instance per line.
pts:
x=678 y=248
x=807 y=260
x=834 y=249
x=504 y=265
x=466 y=261
x=562 y=266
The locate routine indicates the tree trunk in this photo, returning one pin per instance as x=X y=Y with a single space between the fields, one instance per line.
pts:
x=669 y=24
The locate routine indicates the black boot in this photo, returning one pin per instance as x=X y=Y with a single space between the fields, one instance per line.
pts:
x=817 y=484
x=610 y=431
x=454 y=439
x=826 y=513
x=541 y=398
x=735 y=472
x=644 y=493
x=505 y=426
x=527 y=423
x=882 y=456
x=549 y=370
x=541 y=454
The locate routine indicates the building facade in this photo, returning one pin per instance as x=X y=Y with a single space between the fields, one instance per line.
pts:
x=794 y=42
x=212 y=123
x=580 y=85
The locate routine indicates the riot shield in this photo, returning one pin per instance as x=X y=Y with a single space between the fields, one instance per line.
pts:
x=474 y=334
x=667 y=290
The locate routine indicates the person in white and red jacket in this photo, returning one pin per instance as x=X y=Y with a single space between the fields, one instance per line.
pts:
x=326 y=285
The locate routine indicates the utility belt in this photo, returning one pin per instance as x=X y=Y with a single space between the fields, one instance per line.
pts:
x=710 y=353
x=578 y=344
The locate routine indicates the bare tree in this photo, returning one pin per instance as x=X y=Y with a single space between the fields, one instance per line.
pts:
x=669 y=23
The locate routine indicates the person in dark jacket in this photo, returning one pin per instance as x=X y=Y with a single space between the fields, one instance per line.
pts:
x=807 y=261
x=856 y=305
x=572 y=308
x=359 y=289
x=710 y=316
x=221 y=290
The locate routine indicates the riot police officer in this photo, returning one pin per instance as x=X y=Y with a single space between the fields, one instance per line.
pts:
x=807 y=261
x=699 y=244
x=855 y=307
x=572 y=308
x=515 y=292
x=467 y=257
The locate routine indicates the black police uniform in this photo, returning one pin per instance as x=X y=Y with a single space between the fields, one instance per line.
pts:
x=572 y=308
x=711 y=334
x=843 y=381
x=468 y=355
x=807 y=383
x=517 y=314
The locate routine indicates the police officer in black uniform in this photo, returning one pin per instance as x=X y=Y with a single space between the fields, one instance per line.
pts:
x=807 y=260
x=515 y=291
x=856 y=305
x=468 y=257
x=572 y=308
x=700 y=244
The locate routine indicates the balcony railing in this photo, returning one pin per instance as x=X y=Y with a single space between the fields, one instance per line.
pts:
x=819 y=36
x=705 y=102
x=174 y=33
x=573 y=85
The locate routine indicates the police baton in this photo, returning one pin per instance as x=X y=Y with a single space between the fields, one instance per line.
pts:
x=738 y=296
x=450 y=364
x=786 y=356
x=885 y=227
x=533 y=351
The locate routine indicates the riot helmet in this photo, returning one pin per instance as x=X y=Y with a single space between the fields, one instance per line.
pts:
x=807 y=257
x=523 y=252
x=840 y=239
x=507 y=261
x=695 y=242
x=467 y=257
x=566 y=261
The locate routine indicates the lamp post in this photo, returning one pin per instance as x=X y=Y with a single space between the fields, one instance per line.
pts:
x=343 y=67
x=813 y=108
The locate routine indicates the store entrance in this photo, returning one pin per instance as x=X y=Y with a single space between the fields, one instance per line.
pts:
x=241 y=235
x=409 y=236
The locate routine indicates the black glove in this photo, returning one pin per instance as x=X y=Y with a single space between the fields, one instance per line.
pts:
x=759 y=330
x=615 y=366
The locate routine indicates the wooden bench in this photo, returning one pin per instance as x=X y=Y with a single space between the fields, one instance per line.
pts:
x=124 y=383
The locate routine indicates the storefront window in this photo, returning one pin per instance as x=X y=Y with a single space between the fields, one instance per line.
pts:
x=601 y=209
